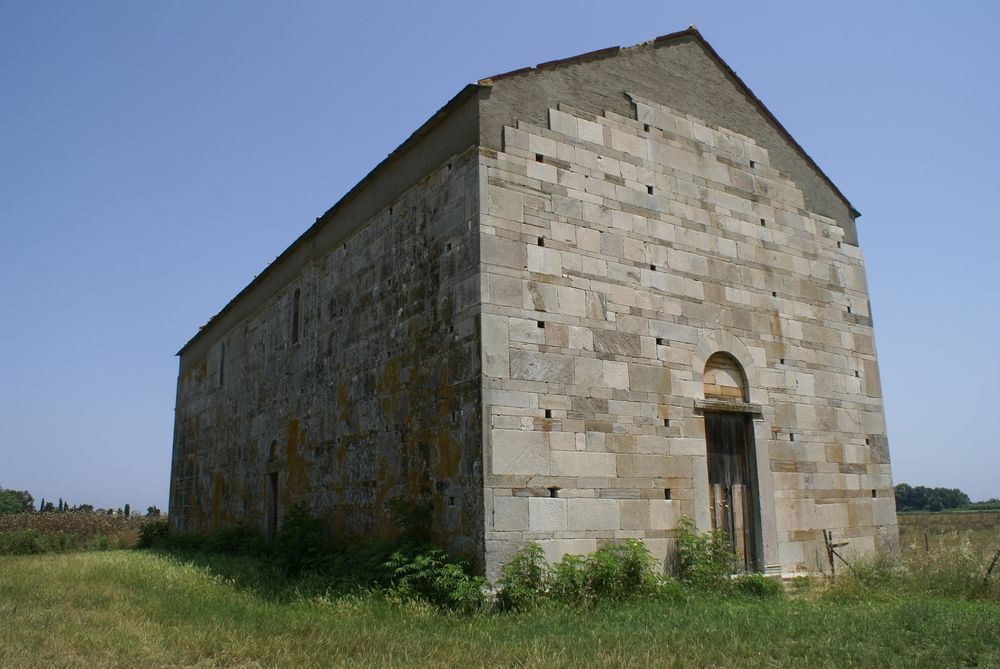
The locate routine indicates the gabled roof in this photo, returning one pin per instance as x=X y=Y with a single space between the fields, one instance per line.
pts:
x=471 y=90
x=692 y=33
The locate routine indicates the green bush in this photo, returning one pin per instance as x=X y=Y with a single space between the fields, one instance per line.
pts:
x=569 y=580
x=621 y=570
x=32 y=542
x=615 y=572
x=432 y=576
x=704 y=559
x=303 y=544
x=152 y=534
x=757 y=585
x=522 y=581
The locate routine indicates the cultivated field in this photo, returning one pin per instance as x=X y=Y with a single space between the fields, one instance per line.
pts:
x=134 y=608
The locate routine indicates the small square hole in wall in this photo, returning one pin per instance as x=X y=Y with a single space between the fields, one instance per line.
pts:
x=451 y=328
x=448 y=246
x=868 y=442
x=390 y=211
x=791 y=436
x=838 y=245
x=541 y=324
x=449 y=166
x=649 y=189
x=874 y=493
x=548 y=413
x=539 y=158
x=666 y=493
x=554 y=491
x=849 y=310
x=857 y=373
x=753 y=163
x=451 y=501
x=660 y=341
x=774 y=293
x=652 y=267
x=454 y=416
x=541 y=241
x=782 y=361
x=666 y=422
x=645 y=127
x=763 y=222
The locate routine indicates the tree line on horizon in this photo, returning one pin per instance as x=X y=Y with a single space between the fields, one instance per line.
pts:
x=923 y=498
x=22 y=501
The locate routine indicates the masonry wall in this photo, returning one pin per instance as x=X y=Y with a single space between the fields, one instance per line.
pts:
x=618 y=254
x=375 y=408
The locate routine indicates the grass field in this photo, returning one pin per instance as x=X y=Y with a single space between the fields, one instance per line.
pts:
x=130 y=609
x=139 y=609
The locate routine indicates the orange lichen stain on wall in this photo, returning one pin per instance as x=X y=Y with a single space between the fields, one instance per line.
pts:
x=297 y=482
x=344 y=403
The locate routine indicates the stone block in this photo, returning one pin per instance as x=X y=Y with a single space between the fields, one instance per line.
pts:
x=592 y=514
x=649 y=378
x=535 y=366
x=496 y=346
x=576 y=463
x=664 y=514
x=546 y=514
x=588 y=372
x=635 y=514
x=520 y=452
x=510 y=514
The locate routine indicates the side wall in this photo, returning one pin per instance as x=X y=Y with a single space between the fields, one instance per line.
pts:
x=618 y=255
x=377 y=403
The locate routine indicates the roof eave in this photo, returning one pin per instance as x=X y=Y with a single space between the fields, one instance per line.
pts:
x=438 y=117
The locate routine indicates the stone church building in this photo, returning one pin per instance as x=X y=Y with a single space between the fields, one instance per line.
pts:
x=581 y=301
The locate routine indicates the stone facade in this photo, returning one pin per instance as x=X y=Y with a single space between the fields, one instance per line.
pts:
x=526 y=337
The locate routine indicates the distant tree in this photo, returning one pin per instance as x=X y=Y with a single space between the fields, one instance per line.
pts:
x=153 y=512
x=89 y=508
x=16 y=501
x=46 y=507
x=128 y=510
x=922 y=498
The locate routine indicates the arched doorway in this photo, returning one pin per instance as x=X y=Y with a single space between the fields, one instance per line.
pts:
x=732 y=473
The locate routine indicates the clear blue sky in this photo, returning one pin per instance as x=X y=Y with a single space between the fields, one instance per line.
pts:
x=155 y=156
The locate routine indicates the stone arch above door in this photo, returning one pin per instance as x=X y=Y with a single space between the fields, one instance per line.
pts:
x=720 y=341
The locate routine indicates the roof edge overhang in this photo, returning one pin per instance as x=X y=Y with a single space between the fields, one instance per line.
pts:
x=439 y=116
x=691 y=32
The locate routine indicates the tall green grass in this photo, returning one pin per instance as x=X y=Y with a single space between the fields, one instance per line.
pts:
x=130 y=609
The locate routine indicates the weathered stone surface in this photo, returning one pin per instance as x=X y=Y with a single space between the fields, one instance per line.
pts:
x=528 y=334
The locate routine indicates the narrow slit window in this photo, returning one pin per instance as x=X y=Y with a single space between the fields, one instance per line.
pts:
x=649 y=189
x=666 y=422
x=753 y=164
x=645 y=127
x=541 y=241
x=666 y=493
x=874 y=493
x=791 y=436
x=548 y=413
x=763 y=222
x=222 y=362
